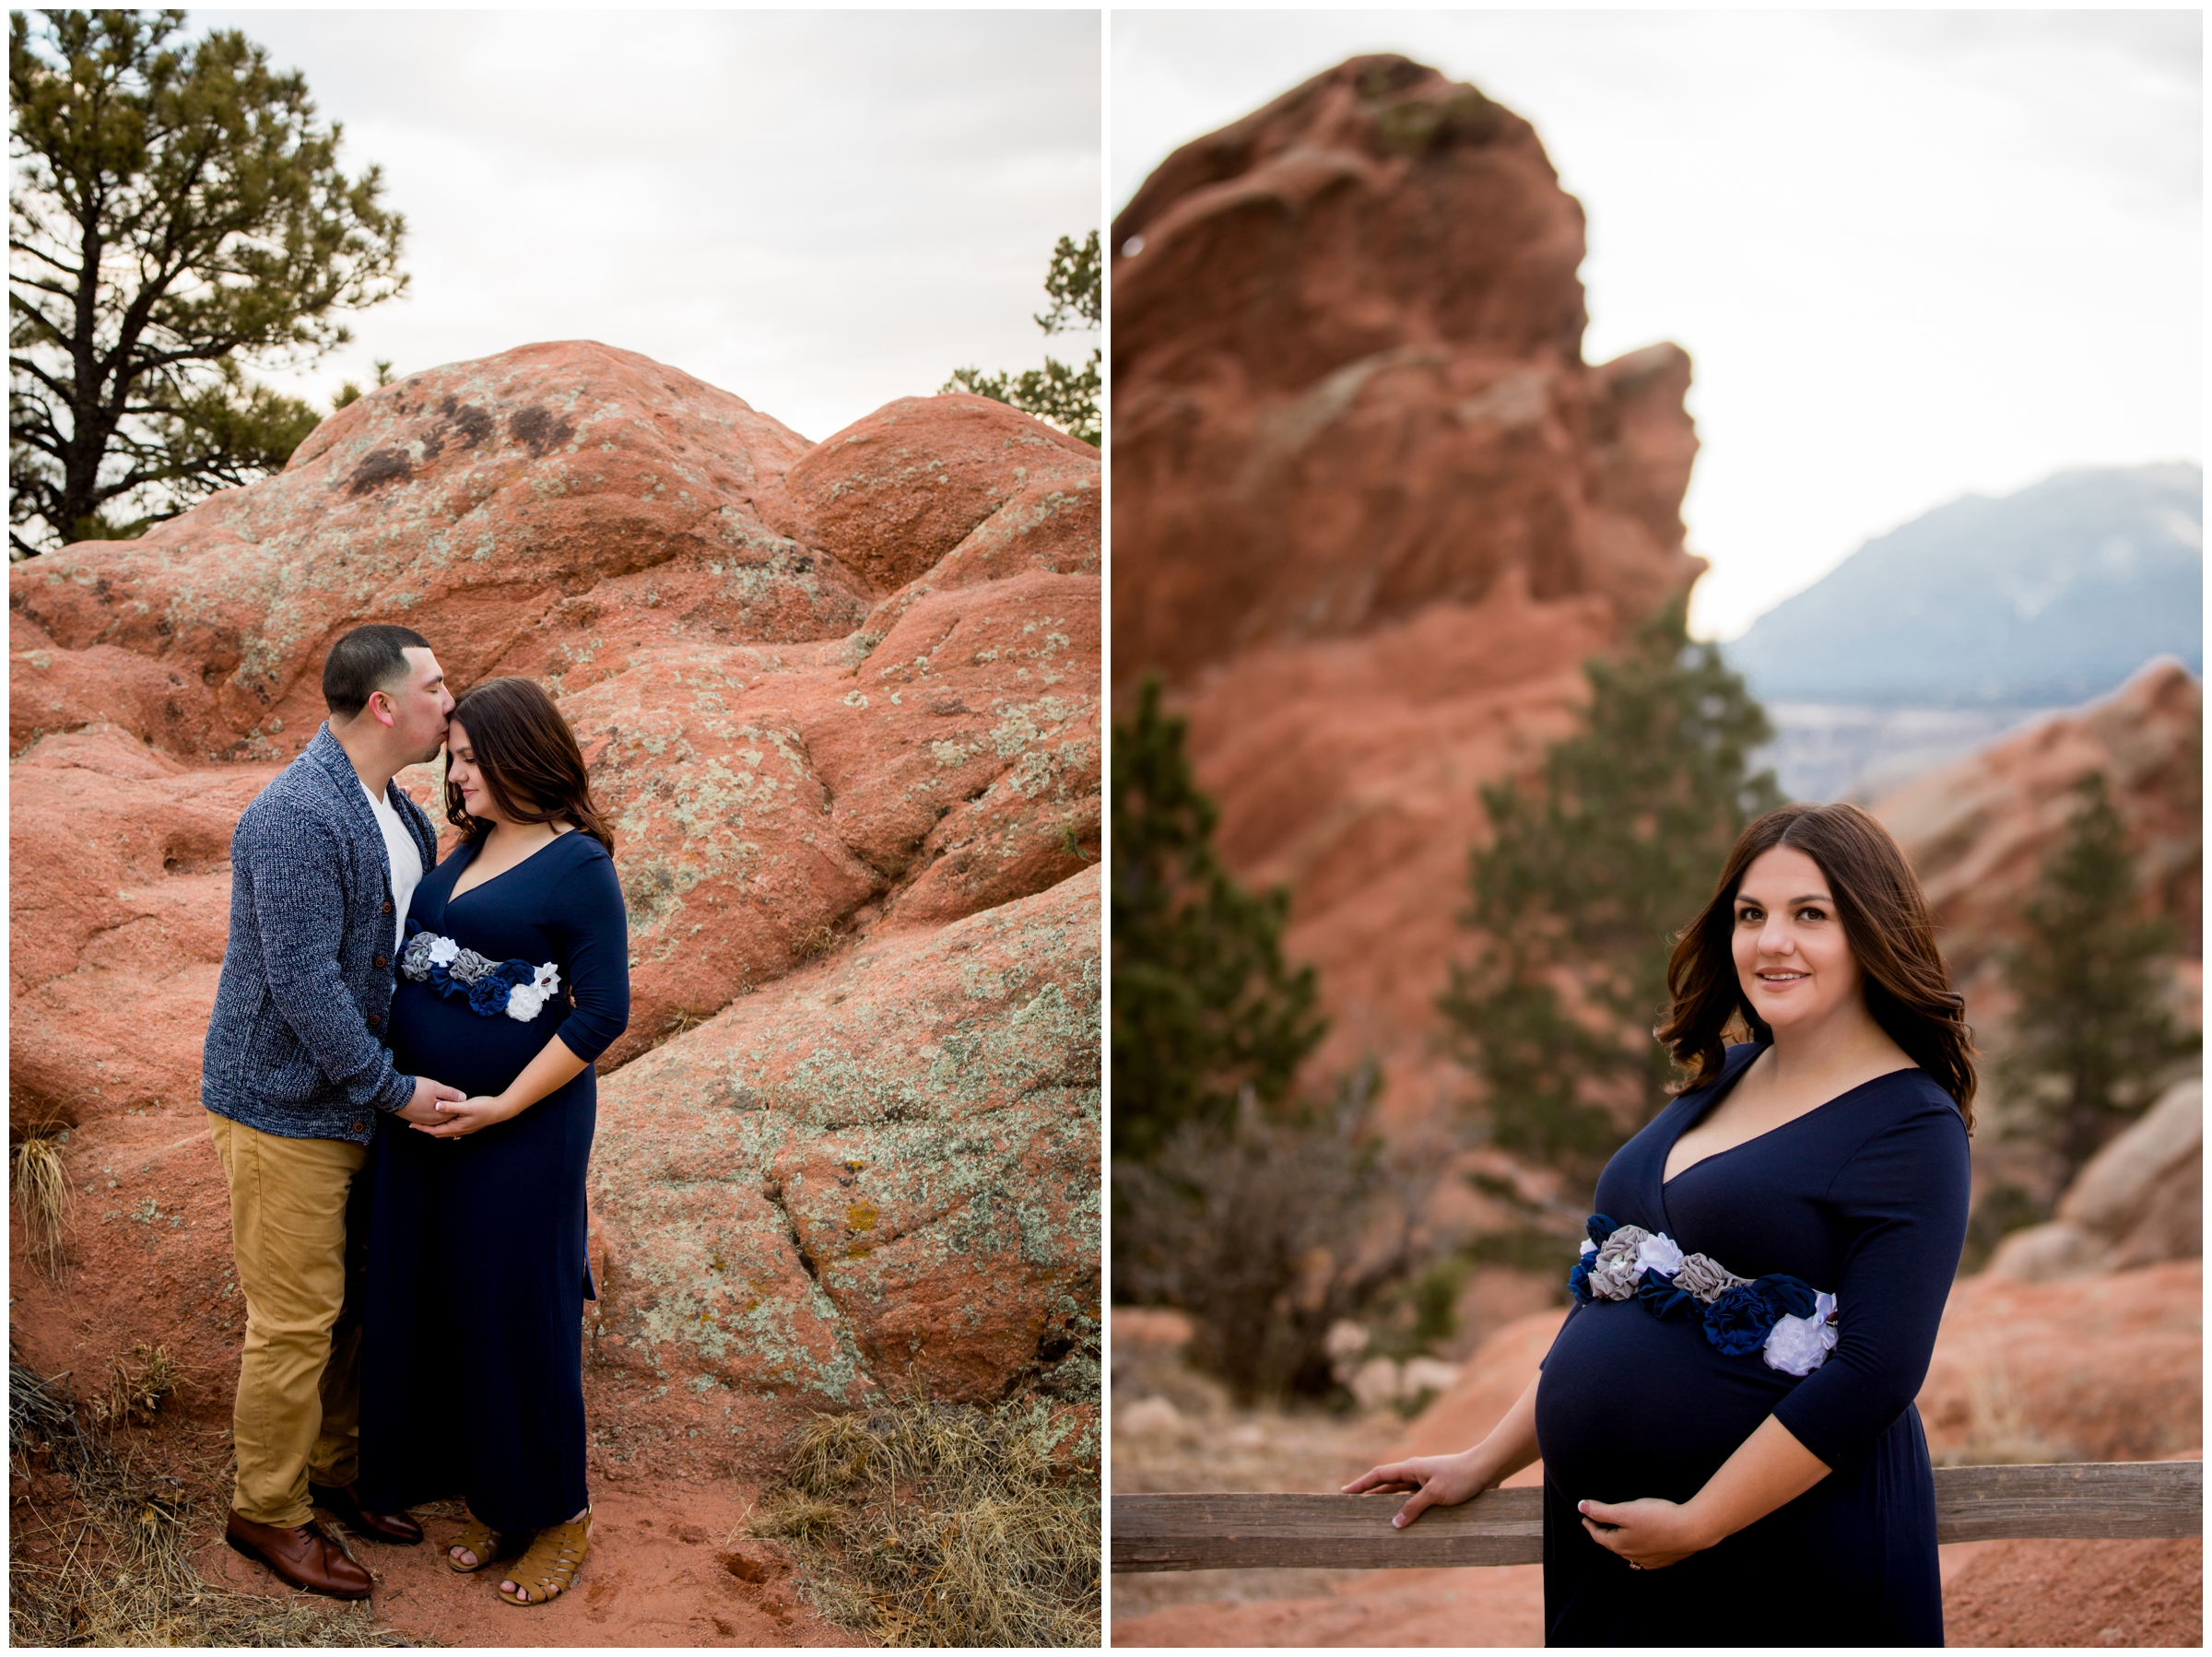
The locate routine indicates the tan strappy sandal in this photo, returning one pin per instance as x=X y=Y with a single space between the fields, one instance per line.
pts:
x=549 y=1569
x=480 y=1539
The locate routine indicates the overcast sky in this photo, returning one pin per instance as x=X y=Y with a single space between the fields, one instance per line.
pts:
x=1913 y=255
x=817 y=211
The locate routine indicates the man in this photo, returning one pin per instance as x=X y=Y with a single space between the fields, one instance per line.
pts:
x=295 y=1074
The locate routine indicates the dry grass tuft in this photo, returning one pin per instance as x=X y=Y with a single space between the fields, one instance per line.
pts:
x=136 y=1385
x=43 y=1198
x=944 y=1525
x=816 y=944
x=121 y=1572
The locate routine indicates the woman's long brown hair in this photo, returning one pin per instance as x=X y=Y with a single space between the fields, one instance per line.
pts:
x=529 y=759
x=1886 y=918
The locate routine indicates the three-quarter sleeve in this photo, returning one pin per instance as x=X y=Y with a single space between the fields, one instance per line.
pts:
x=594 y=930
x=1901 y=1204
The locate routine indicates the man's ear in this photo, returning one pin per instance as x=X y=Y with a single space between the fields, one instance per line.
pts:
x=385 y=714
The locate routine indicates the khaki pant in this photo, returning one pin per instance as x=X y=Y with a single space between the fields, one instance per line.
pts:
x=298 y=1382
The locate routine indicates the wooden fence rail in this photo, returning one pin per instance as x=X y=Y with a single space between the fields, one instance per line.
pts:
x=2103 y=1499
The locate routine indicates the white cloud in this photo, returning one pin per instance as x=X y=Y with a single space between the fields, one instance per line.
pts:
x=819 y=211
x=1913 y=255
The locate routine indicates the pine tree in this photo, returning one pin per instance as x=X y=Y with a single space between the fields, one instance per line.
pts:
x=1059 y=394
x=2093 y=1036
x=1203 y=1004
x=178 y=214
x=1586 y=880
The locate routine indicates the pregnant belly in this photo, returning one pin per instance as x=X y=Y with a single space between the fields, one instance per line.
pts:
x=1635 y=1406
x=445 y=1040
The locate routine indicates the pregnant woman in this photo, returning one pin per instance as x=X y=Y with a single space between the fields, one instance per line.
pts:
x=472 y=1369
x=1731 y=1454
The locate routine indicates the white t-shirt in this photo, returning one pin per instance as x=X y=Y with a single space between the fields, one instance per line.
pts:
x=406 y=860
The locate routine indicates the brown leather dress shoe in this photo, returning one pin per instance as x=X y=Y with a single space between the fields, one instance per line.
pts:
x=346 y=1502
x=301 y=1554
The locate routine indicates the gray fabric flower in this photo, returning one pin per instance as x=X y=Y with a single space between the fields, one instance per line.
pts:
x=415 y=960
x=1705 y=1277
x=468 y=966
x=1615 y=1274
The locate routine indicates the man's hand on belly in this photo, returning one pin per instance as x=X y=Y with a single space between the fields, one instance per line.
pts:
x=429 y=1097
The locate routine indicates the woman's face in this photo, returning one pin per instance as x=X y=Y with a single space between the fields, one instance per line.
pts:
x=1791 y=959
x=461 y=770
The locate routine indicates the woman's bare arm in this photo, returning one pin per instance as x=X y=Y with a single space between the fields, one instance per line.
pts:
x=555 y=1066
x=1446 y=1481
x=1768 y=1468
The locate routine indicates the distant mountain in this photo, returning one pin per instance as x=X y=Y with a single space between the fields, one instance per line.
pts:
x=2049 y=597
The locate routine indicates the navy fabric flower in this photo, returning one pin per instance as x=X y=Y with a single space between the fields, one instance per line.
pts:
x=1661 y=1297
x=1738 y=1320
x=1602 y=1226
x=488 y=996
x=1787 y=1294
x=1578 y=1280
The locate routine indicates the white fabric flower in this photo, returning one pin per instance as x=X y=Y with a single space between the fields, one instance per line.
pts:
x=443 y=951
x=1800 y=1345
x=1661 y=1254
x=524 y=1001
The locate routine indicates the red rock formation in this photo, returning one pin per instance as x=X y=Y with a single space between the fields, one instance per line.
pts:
x=842 y=701
x=1371 y=509
x=1979 y=830
x=1348 y=381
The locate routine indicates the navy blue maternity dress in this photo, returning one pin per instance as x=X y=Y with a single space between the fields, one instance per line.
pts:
x=1865 y=1198
x=472 y=1377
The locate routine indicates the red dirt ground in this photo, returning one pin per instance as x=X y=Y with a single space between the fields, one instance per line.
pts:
x=660 y=1574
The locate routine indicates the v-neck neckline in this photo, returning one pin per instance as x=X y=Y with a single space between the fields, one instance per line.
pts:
x=1727 y=1087
x=454 y=897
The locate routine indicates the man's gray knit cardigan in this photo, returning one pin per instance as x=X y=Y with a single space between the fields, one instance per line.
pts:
x=297 y=1045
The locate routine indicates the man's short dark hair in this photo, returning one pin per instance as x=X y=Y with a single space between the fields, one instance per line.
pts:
x=364 y=661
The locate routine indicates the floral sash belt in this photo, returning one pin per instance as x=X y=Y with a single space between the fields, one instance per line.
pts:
x=514 y=988
x=1793 y=1323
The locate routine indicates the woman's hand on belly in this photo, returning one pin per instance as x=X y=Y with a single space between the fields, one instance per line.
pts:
x=1648 y=1534
x=555 y=1066
x=471 y=1116
x=1768 y=1468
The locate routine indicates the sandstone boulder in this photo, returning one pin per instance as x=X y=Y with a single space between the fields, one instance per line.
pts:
x=851 y=745
x=2139 y=1199
x=1979 y=830
x=1348 y=381
x=959 y=486
x=2103 y=1368
x=883 y=1174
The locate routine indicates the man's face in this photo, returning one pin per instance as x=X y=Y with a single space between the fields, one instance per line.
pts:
x=415 y=709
